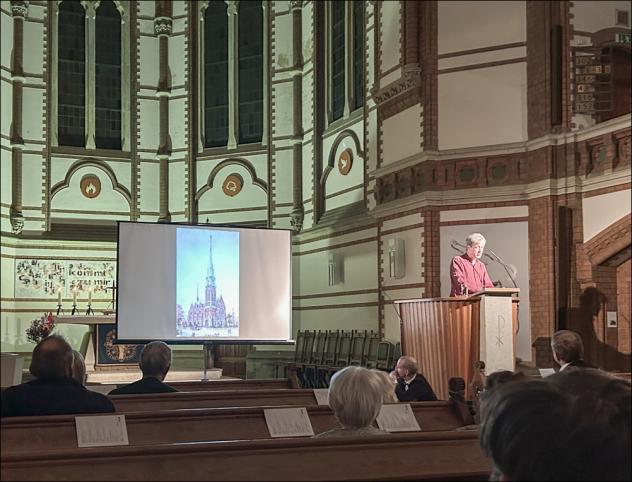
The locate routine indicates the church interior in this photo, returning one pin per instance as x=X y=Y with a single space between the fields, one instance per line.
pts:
x=380 y=133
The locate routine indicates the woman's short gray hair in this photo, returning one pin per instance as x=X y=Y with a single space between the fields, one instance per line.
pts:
x=388 y=386
x=355 y=396
x=475 y=238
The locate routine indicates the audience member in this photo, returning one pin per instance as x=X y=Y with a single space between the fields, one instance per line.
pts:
x=356 y=395
x=574 y=425
x=412 y=386
x=388 y=386
x=155 y=361
x=79 y=367
x=54 y=391
x=568 y=350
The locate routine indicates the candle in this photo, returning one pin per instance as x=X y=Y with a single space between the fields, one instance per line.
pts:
x=74 y=296
x=90 y=296
x=59 y=296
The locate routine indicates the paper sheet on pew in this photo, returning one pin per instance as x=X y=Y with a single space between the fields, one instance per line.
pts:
x=101 y=430
x=288 y=422
x=546 y=372
x=322 y=396
x=397 y=417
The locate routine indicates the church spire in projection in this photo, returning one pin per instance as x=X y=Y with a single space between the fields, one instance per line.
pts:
x=210 y=275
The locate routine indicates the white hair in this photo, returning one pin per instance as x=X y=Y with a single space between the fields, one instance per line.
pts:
x=475 y=238
x=355 y=396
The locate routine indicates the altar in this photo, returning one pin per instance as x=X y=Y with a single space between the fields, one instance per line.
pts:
x=98 y=346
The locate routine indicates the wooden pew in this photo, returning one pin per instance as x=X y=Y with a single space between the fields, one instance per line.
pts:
x=410 y=456
x=216 y=385
x=192 y=425
x=212 y=399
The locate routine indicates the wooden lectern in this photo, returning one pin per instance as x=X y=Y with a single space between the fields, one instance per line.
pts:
x=448 y=335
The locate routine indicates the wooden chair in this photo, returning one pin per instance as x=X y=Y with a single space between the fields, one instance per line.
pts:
x=357 y=349
x=318 y=357
x=384 y=355
x=329 y=358
x=299 y=350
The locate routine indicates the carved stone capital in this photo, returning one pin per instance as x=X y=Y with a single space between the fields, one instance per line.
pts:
x=296 y=220
x=232 y=7
x=162 y=26
x=17 y=220
x=19 y=8
x=410 y=79
x=296 y=4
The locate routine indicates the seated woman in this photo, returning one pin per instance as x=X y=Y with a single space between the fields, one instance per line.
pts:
x=355 y=396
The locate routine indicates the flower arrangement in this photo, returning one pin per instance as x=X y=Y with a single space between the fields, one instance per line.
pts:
x=40 y=328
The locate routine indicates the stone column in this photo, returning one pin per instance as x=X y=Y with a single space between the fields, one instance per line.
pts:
x=163 y=29
x=233 y=75
x=91 y=56
x=297 y=214
x=19 y=10
x=348 y=58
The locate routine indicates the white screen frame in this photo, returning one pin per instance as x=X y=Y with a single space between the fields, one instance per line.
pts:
x=160 y=277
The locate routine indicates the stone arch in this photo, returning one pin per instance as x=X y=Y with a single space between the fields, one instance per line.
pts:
x=91 y=163
x=260 y=183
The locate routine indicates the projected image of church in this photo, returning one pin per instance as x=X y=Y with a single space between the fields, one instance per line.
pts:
x=208 y=283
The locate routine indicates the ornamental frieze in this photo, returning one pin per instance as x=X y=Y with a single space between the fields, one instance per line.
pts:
x=591 y=157
x=410 y=79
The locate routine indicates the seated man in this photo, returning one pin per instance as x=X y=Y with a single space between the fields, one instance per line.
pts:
x=568 y=350
x=412 y=386
x=54 y=391
x=155 y=361
x=79 y=368
x=356 y=395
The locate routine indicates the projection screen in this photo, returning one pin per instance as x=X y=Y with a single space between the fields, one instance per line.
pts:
x=190 y=284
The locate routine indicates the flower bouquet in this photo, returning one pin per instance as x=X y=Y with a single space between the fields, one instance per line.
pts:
x=40 y=328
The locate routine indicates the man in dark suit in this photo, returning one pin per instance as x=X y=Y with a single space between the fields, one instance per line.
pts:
x=54 y=391
x=568 y=350
x=155 y=361
x=412 y=386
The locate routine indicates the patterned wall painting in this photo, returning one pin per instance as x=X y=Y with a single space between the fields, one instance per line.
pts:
x=110 y=353
x=37 y=278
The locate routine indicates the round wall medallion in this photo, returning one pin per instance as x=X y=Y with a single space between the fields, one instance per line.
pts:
x=90 y=186
x=345 y=161
x=232 y=184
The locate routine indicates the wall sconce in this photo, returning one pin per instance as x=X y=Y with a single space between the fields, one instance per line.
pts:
x=396 y=258
x=336 y=272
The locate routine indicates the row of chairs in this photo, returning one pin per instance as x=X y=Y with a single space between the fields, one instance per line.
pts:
x=319 y=354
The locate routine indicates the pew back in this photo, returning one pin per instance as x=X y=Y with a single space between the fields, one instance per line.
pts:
x=217 y=385
x=212 y=399
x=416 y=456
x=191 y=425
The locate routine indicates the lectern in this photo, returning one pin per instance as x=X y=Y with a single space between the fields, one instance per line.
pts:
x=448 y=335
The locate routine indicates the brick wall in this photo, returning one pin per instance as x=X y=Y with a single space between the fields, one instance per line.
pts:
x=541 y=267
x=624 y=286
x=541 y=17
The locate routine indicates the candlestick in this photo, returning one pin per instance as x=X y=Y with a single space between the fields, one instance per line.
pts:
x=90 y=296
x=74 y=296
x=59 y=296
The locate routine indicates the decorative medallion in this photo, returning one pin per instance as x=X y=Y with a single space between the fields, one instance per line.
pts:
x=232 y=184
x=118 y=352
x=90 y=186
x=345 y=161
